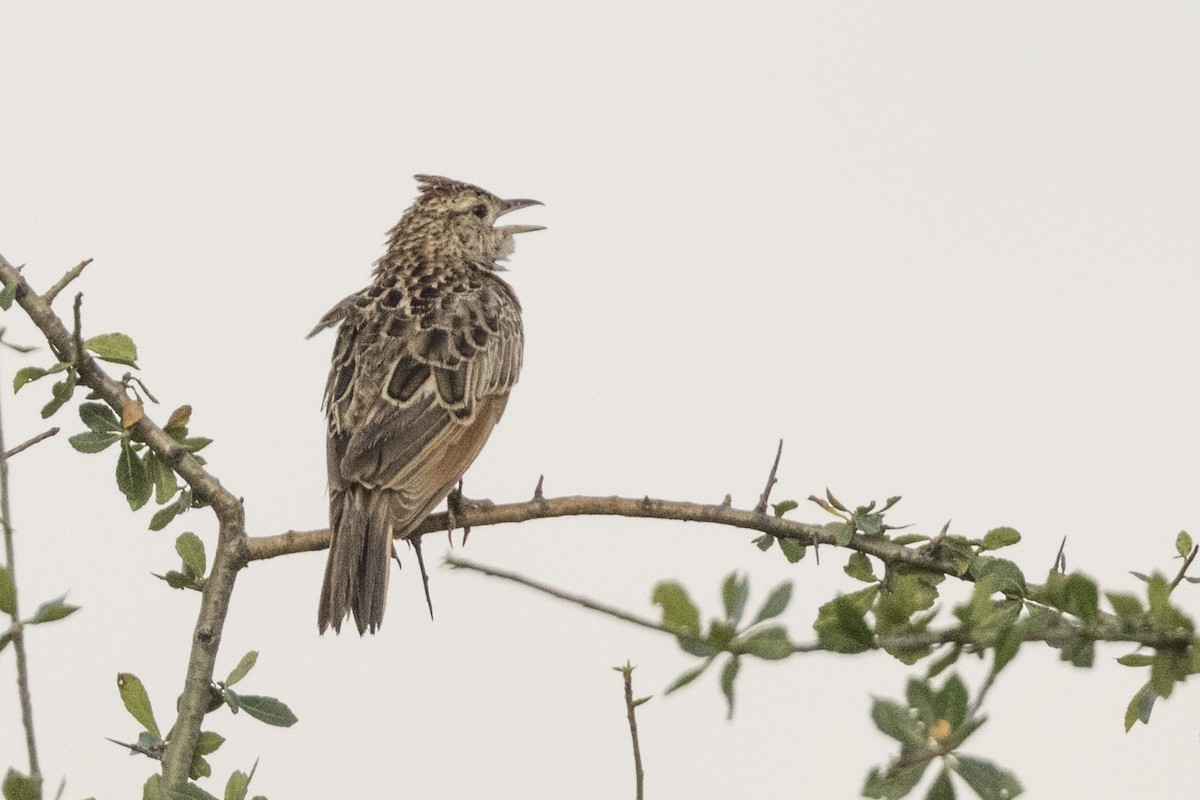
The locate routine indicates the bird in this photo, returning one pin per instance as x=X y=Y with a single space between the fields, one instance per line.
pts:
x=424 y=361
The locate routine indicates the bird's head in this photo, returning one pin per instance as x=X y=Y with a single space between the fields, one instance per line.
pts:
x=450 y=214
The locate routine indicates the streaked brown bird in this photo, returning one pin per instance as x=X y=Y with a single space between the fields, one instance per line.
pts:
x=424 y=362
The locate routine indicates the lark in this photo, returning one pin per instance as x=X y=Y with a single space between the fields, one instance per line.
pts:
x=422 y=369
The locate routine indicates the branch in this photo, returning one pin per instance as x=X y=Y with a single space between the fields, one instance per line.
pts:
x=230 y=552
x=261 y=547
x=64 y=281
x=27 y=444
x=17 y=630
x=627 y=673
x=761 y=508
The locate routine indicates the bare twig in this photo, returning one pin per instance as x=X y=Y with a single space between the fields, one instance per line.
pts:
x=763 y=499
x=1187 y=562
x=62 y=282
x=17 y=630
x=627 y=673
x=30 y=443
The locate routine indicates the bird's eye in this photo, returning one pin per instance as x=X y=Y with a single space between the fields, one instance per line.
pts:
x=480 y=211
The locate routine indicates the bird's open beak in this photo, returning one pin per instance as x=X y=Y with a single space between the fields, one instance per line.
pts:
x=514 y=205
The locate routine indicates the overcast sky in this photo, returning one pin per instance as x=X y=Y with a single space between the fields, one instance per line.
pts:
x=944 y=250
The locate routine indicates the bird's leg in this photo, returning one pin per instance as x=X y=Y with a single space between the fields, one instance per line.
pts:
x=457 y=507
x=396 y=556
x=416 y=545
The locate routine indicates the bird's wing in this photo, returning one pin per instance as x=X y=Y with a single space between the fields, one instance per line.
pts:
x=411 y=404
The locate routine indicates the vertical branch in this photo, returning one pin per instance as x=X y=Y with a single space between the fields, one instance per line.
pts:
x=627 y=673
x=17 y=631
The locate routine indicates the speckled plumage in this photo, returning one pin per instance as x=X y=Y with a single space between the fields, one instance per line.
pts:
x=422 y=368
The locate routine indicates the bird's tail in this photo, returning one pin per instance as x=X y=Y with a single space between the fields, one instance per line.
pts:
x=356 y=574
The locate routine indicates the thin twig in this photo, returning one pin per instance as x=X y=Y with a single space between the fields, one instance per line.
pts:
x=17 y=630
x=579 y=600
x=761 y=508
x=639 y=776
x=26 y=445
x=62 y=282
x=1187 y=562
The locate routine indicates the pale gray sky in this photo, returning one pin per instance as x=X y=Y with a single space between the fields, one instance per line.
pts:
x=947 y=251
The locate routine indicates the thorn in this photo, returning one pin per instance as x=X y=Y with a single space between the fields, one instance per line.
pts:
x=761 y=508
x=1060 y=560
x=416 y=545
x=396 y=556
x=727 y=502
x=537 y=492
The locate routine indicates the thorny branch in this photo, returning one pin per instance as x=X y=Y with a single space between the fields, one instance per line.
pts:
x=230 y=551
x=630 y=706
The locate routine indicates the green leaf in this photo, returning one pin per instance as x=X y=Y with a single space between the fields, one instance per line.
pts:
x=1127 y=607
x=20 y=787
x=941 y=788
x=1082 y=597
x=840 y=625
x=843 y=532
x=6 y=300
x=728 y=675
x=191 y=549
x=189 y=791
x=958 y=550
x=1000 y=537
x=8 y=591
x=897 y=782
x=116 y=348
x=769 y=643
x=237 y=786
x=894 y=720
x=764 y=542
x=910 y=538
x=27 y=375
x=100 y=418
x=1183 y=544
x=268 y=710
x=1140 y=706
x=137 y=702
x=243 y=667
x=859 y=568
x=163 y=517
x=199 y=768
x=150 y=788
x=208 y=742
x=679 y=612
x=950 y=703
x=61 y=392
x=1135 y=660
x=196 y=443
x=734 y=593
x=5 y=638
x=93 y=441
x=687 y=677
x=792 y=549
x=1005 y=576
x=784 y=507
x=986 y=779
x=163 y=478
x=132 y=479
x=776 y=602
x=52 y=610
x=833 y=501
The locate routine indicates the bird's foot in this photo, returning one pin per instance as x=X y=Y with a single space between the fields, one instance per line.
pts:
x=457 y=507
